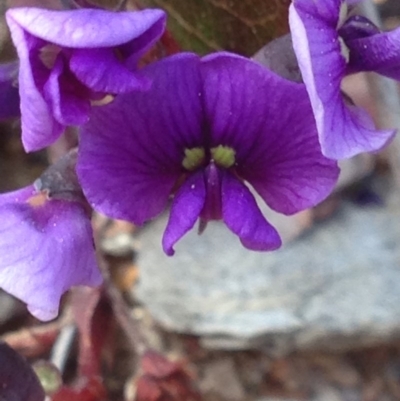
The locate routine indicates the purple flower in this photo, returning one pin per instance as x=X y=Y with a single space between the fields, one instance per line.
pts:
x=72 y=59
x=329 y=44
x=46 y=247
x=9 y=97
x=206 y=126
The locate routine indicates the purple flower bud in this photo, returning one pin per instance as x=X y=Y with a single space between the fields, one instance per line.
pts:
x=72 y=59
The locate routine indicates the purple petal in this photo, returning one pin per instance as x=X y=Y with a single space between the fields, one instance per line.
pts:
x=342 y=132
x=232 y=98
x=274 y=137
x=9 y=97
x=62 y=94
x=101 y=71
x=186 y=207
x=39 y=128
x=131 y=151
x=85 y=28
x=46 y=249
x=243 y=217
x=379 y=53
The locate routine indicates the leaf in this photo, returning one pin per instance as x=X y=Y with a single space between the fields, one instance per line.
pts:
x=241 y=26
x=18 y=381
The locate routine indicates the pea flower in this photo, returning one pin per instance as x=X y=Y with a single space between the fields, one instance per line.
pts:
x=46 y=244
x=9 y=98
x=330 y=43
x=71 y=59
x=206 y=126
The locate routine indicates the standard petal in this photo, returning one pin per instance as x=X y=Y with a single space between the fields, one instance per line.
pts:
x=236 y=99
x=45 y=250
x=101 y=71
x=9 y=97
x=268 y=121
x=243 y=217
x=39 y=128
x=287 y=167
x=131 y=151
x=86 y=28
x=342 y=132
x=186 y=207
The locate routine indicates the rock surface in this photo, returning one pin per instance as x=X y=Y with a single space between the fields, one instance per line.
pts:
x=335 y=287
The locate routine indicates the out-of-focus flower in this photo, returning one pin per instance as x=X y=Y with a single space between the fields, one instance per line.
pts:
x=70 y=60
x=46 y=244
x=9 y=97
x=206 y=126
x=329 y=43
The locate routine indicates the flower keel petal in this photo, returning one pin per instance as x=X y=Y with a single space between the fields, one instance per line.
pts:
x=185 y=210
x=243 y=217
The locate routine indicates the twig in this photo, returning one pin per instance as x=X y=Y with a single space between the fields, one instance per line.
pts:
x=35 y=341
x=128 y=322
x=388 y=102
x=62 y=346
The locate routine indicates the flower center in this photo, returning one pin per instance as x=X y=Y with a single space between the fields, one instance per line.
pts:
x=222 y=156
x=194 y=158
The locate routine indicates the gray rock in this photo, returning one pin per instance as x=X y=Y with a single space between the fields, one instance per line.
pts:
x=336 y=286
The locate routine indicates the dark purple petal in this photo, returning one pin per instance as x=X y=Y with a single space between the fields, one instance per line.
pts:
x=85 y=28
x=212 y=209
x=243 y=217
x=357 y=27
x=379 y=53
x=9 y=97
x=342 y=132
x=18 y=381
x=131 y=150
x=46 y=248
x=62 y=95
x=186 y=207
x=269 y=122
x=100 y=70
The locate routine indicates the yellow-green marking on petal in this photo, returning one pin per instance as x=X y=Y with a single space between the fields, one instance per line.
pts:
x=194 y=158
x=223 y=156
